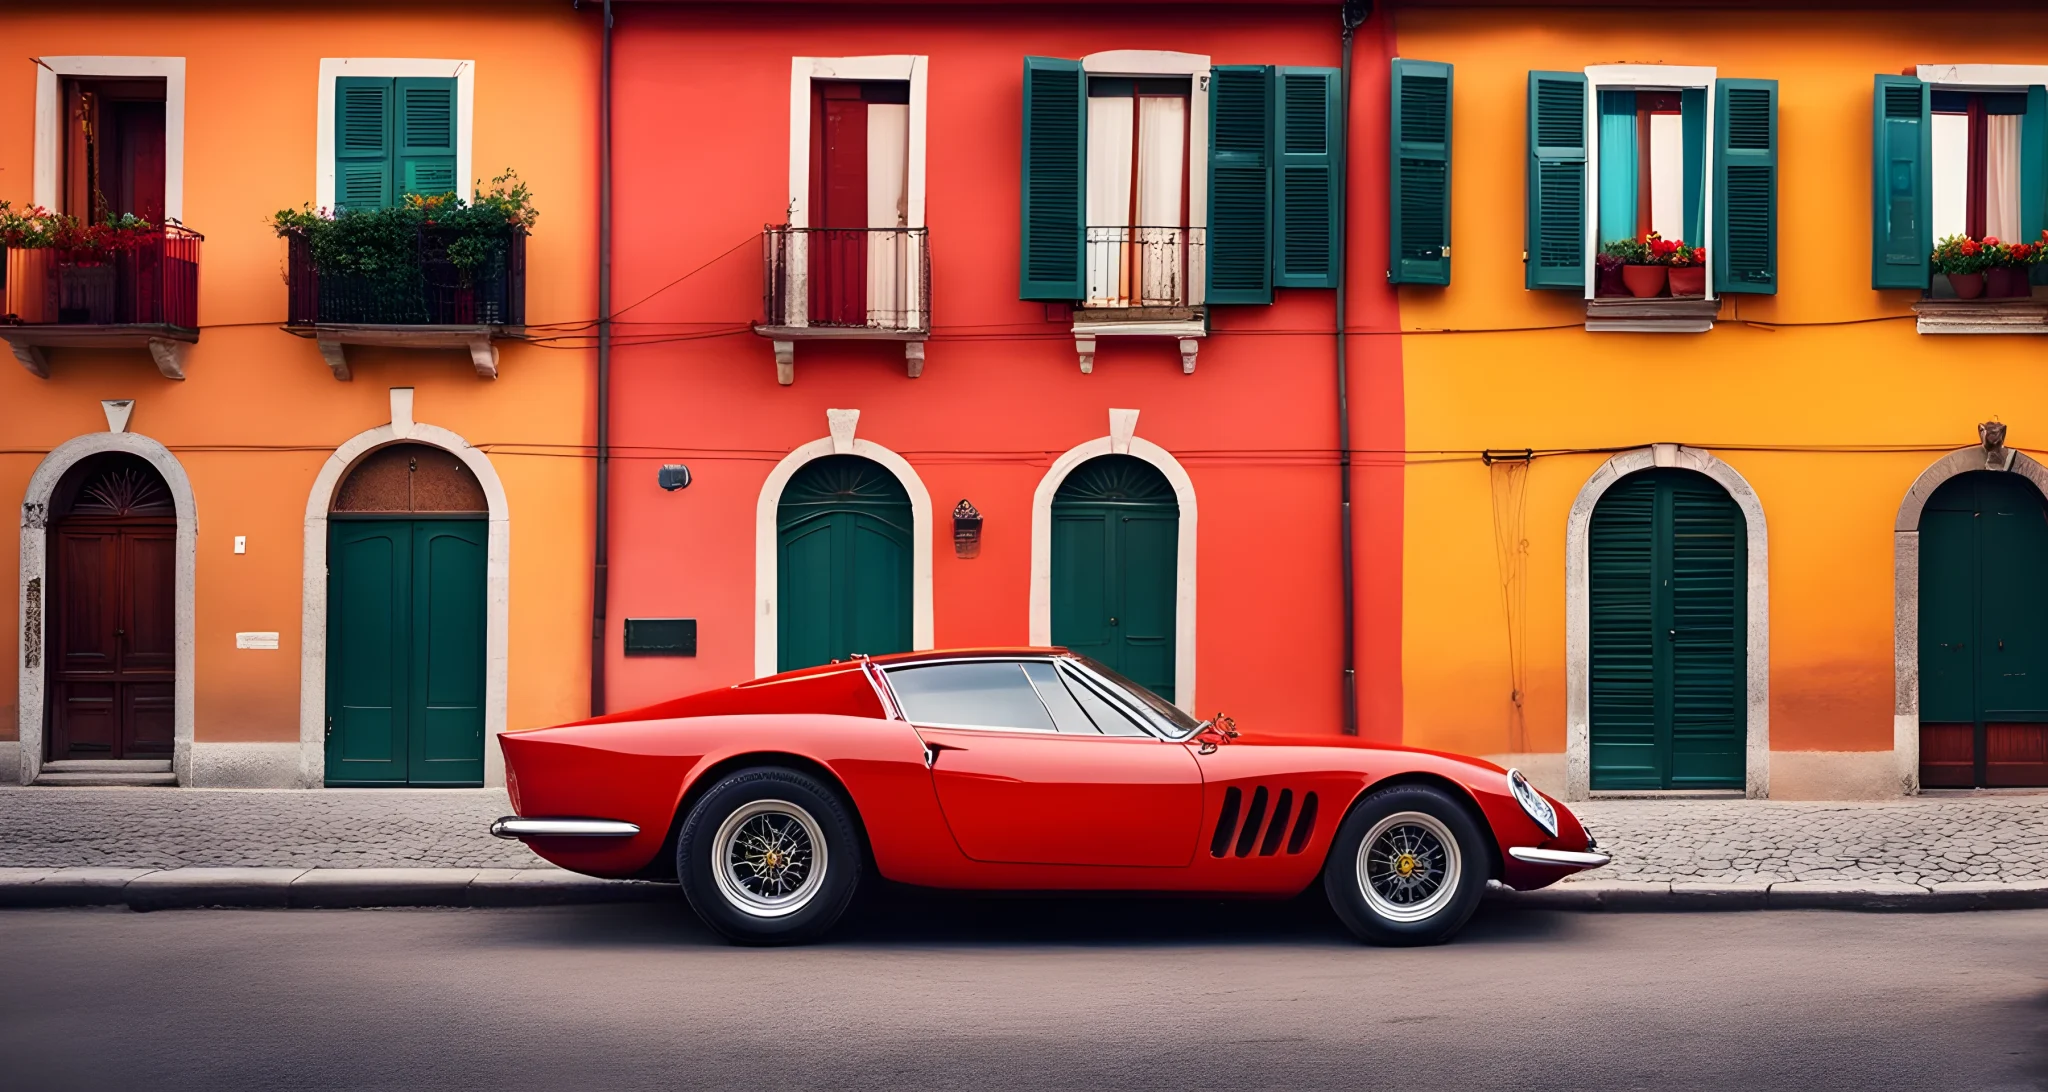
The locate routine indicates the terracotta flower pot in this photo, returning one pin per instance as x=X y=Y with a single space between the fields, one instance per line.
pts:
x=1689 y=280
x=1968 y=286
x=1644 y=281
x=2005 y=282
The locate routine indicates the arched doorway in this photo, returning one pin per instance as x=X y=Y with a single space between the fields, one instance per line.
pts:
x=112 y=619
x=1667 y=571
x=1983 y=606
x=843 y=528
x=407 y=545
x=1115 y=539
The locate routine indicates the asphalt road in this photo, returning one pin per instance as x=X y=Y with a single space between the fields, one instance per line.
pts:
x=1005 y=994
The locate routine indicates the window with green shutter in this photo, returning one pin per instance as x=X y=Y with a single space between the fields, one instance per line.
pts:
x=1901 y=202
x=392 y=137
x=1306 y=201
x=1055 y=154
x=1419 y=190
x=1240 y=244
x=1745 y=254
x=1555 y=228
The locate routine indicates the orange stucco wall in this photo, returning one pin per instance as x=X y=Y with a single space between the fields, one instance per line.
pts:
x=704 y=115
x=1843 y=368
x=259 y=411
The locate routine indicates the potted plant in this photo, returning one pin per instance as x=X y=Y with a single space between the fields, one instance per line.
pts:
x=1642 y=276
x=1688 y=269
x=1963 y=261
x=82 y=254
x=2011 y=266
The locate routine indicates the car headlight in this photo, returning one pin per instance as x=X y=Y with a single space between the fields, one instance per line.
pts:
x=1532 y=802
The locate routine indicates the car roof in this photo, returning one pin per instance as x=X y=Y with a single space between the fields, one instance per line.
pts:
x=890 y=659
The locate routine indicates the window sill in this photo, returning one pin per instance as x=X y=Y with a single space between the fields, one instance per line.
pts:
x=1188 y=325
x=1657 y=315
x=2020 y=315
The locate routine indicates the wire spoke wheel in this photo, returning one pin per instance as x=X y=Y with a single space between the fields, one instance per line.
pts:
x=1409 y=866
x=771 y=858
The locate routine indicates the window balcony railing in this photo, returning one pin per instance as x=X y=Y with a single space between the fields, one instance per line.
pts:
x=427 y=302
x=147 y=295
x=1140 y=266
x=818 y=283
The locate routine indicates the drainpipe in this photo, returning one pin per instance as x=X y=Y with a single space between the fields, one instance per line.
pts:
x=600 y=575
x=1353 y=15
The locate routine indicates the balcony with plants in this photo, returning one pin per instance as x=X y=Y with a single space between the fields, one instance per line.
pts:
x=428 y=272
x=1986 y=286
x=848 y=284
x=113 y=283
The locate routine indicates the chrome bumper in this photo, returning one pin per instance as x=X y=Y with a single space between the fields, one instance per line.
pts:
x=512 y=826
x=1563 y=857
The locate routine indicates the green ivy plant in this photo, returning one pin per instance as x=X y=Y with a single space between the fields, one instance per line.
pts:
x=383 y=244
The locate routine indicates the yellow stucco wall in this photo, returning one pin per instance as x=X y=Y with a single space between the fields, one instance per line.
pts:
x=259 y=412
x=1830 y=377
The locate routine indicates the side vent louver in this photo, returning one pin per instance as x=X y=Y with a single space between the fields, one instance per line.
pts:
x=1231 y=839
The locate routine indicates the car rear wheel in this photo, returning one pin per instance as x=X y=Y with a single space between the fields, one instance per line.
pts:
x=769 y=856
x=1408 y=866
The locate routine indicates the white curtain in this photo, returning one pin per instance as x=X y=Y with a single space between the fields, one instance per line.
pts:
x=1109 y=198
x=1951 y=175
x=1667 y=176
x=2002 y=177
x=892 y=266
x=1162 y=168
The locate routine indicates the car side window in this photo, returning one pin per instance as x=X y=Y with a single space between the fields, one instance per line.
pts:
x=983 y=694
x=1107 y=718
x=1066 y=712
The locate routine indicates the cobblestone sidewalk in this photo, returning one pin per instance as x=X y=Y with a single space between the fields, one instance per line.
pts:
x=1923 y=841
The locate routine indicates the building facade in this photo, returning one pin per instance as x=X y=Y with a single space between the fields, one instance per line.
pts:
x=281 y=525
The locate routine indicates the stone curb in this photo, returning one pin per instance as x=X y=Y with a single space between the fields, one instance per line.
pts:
x=314 y=888
x=1701 y=895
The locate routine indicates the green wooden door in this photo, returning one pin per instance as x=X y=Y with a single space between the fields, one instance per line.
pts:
x=1115 y=545
x=1667 y=567
x=843 y=530
x=405 y=652
x=1984 y=633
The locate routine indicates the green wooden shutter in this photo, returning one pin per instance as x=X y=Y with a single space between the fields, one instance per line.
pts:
x=1419 y=192
x=1055 y=170
x=362 y=142
x=426 y=136
x=1745 y=245
x=1707 y=634
x=1627 y=749
x=2034 y=173
x=1239 y=248
x=1308 y=176
x=1902 y=184
x=1555 y=227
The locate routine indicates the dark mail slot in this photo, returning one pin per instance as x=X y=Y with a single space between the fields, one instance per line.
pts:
x=661 y=636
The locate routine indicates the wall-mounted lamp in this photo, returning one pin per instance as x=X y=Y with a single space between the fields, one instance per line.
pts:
x=1992 y=432
x=674 y=476
x=966 y=530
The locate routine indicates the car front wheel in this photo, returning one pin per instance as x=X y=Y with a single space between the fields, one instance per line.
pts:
x=769 y=856
x=1408 y=866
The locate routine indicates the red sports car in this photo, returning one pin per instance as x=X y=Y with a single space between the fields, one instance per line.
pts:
x=1016 y=770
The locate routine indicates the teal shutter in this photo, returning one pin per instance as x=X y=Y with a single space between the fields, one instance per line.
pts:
x=362 y=143
x=426 y=137
x=1240 y=243
x=1902 y=184
x=1307 y=178
x=1708 y=635
x=1692 y=108
x=1419 y=191
x=1627 y=752
x=1053 y=189
x=1745 y=244
x=1555 y=228
x=2034 y=173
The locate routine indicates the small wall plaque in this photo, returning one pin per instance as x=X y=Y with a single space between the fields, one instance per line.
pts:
x=661 y=636
x=255 y=640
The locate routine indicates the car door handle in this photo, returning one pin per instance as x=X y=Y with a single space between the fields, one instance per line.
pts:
x=931 y=751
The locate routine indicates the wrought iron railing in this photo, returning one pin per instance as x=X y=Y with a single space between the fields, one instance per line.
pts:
x=848 y=278
x=1140 y=266
x=428 y=291
x=153 y=284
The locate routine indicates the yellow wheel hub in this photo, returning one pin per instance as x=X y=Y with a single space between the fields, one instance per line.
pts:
x=1405 y=864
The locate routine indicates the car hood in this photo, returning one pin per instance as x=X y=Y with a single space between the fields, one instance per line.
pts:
x=1353 y=743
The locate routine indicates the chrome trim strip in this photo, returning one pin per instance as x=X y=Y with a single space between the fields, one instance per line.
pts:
x=1563 y=857
x=512 y=826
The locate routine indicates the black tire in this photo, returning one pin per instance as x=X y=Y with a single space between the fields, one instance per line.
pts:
x=1439 y=838
x=790 y=817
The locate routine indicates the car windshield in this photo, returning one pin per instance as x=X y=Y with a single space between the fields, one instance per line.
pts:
x=1164 y=714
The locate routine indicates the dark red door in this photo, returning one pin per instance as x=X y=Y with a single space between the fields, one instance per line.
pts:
x=839 y=202
x=111 y=629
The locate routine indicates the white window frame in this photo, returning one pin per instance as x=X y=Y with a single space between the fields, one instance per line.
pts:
x=1645 y=77
x=802 y=70
x=332 y=68
x=49 y=150
x=1143 y=63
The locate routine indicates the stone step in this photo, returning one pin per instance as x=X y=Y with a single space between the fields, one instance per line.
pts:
x=77 y=777
x=108 y=765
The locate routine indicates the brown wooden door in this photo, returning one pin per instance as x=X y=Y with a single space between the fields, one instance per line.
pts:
x=113 y=638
